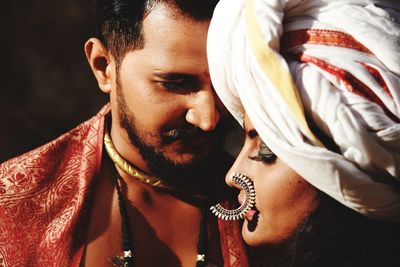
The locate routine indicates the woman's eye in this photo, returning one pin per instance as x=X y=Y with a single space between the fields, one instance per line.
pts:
x=264 y=154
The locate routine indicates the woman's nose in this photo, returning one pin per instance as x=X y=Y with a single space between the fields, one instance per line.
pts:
x=229 y=180
x=240 y=166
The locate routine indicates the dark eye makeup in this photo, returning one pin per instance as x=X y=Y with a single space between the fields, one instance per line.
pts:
x=264 y=154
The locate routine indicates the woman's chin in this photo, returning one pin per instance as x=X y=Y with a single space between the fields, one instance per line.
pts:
x=255 y=234
x=252 y=239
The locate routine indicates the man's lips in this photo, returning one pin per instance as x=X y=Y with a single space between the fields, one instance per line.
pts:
x=194 y=140
x=199 y=140
x=199 y=143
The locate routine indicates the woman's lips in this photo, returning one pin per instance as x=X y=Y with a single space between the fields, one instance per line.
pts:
x=250 y=214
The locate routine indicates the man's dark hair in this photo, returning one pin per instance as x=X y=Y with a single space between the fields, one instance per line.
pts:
x=119 y=22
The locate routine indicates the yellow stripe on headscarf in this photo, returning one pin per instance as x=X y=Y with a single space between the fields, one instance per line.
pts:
x=271 y=65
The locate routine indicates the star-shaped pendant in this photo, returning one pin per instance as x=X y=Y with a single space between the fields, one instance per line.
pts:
x=122 y=261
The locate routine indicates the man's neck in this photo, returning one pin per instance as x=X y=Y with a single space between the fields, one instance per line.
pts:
x=161 y=224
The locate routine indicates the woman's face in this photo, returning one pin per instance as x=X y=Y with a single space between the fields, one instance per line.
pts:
x=283 y=198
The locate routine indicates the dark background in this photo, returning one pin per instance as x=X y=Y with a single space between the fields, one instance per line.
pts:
x=47 y=87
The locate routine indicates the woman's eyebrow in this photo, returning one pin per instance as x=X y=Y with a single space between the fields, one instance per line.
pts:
x=251 y=133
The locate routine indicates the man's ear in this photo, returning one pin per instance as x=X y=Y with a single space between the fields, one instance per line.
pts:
x=101 y=63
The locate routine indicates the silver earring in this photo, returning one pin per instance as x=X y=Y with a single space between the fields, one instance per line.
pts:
x=249 y=201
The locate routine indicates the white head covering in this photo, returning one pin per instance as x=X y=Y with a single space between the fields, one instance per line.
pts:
x=336 y=63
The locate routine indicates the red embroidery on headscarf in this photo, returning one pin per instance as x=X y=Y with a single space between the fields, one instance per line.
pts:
x=295 y=38
x=352 y=84
x=378 y=78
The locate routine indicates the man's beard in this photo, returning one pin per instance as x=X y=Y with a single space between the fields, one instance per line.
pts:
x=172 y=173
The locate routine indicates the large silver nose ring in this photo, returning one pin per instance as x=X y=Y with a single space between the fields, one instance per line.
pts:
x=250 y=199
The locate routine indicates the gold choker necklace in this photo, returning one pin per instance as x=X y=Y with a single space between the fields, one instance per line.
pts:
x=124 y=165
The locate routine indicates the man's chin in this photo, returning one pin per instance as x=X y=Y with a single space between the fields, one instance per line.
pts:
x=183 y=172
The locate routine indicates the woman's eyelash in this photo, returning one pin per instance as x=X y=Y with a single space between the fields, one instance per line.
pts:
x=264 y=154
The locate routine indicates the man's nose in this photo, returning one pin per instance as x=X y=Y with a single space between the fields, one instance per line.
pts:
x=203 y=111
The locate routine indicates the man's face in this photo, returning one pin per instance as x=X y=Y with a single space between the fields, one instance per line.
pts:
x=164 y=96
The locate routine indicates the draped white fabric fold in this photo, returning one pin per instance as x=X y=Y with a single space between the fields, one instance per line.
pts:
x=343 y=59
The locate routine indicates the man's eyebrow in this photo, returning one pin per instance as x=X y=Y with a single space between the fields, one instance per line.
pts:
x=175 y=76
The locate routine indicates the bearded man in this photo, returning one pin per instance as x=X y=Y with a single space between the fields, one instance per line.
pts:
x=140 y=197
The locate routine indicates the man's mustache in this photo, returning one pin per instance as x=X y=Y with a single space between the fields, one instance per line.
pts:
x=183 y=134
x=191 y=132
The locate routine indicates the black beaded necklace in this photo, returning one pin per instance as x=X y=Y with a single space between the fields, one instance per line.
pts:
x=127 y=260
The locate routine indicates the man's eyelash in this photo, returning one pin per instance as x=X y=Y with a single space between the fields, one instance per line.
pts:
x=172 y=86
x=179 y=85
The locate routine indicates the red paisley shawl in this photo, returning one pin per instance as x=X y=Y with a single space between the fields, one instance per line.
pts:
x=44 y=202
